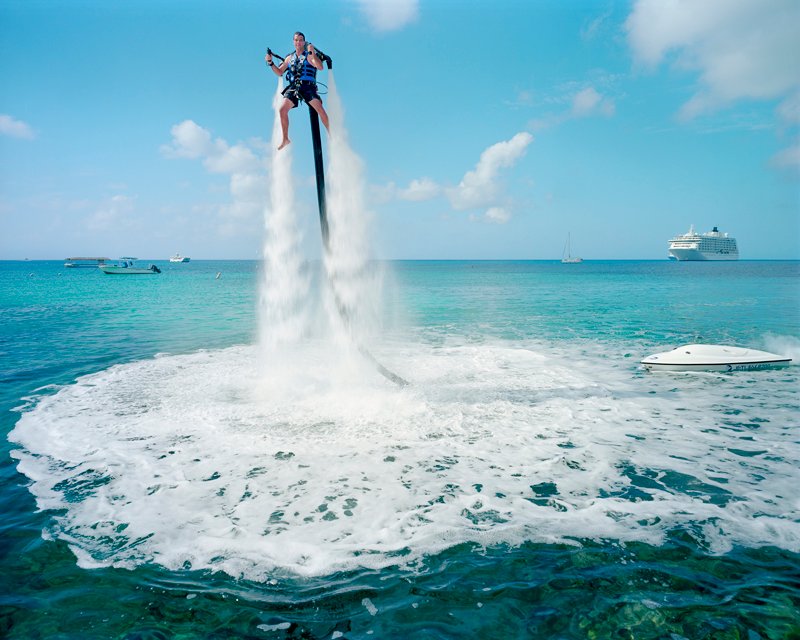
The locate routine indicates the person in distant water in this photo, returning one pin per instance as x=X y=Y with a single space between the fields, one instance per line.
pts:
x=302 y=66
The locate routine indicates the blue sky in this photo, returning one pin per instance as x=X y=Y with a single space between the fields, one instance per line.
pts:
x=489 y=130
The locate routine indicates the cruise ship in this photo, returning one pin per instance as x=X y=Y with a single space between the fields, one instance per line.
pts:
x=712 y=245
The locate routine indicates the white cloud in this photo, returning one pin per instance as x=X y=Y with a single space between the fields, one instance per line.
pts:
x=788 y=158
x=248 y=192
x=111 y=214
x=247 y=184
x=583 y=103
x=591 y=30
x=497 y=215
x=789 y=109
x=478 y=188
x=389 y=15
x=421 y=189
x=382 y=193
x=232 y=160
x=189 y=140
x=589 y=102
x=742 y=49
x=15 y=128
x=523 y=99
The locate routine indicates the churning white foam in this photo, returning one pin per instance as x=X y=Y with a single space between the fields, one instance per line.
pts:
x=198 y=461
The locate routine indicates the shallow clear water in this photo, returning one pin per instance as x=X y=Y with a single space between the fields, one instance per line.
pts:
x=167 y=477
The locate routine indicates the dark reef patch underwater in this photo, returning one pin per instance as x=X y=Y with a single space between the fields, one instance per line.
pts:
x=532 y=591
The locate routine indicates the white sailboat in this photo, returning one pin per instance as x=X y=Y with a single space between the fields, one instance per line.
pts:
x=567 y=257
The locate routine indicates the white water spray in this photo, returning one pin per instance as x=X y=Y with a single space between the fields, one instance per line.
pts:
x=351 y=289
x=284 y=288
x=356 y=281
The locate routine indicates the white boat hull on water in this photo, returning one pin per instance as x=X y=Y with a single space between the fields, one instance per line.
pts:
x=566 y=256
x=129 y=271
x=713 y=357
x=713 y=245
x=127 y=266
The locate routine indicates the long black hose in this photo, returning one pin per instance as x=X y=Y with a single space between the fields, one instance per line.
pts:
x=323 y=223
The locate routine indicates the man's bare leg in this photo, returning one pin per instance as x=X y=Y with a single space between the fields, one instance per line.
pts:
x=323 y=115
x=284 y=114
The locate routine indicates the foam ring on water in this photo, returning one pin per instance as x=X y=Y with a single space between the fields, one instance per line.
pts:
x=213 y=461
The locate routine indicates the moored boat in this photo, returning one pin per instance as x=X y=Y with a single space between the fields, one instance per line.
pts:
x=79 y=262
x=127 y=266
x=179 y=258
x=566 y=256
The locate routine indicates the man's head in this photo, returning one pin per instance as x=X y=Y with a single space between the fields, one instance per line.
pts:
x=299 y=41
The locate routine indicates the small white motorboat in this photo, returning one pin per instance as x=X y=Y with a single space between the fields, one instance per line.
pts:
x=713 y=357
x=127 y=266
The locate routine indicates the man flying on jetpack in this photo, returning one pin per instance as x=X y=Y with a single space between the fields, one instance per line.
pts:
x=301 y=77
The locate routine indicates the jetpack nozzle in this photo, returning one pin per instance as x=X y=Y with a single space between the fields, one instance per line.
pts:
x=324 y=57
x=272 y=53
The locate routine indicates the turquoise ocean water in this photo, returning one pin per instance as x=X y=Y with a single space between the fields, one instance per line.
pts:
x=165 y=476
